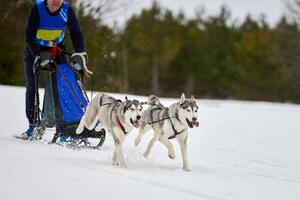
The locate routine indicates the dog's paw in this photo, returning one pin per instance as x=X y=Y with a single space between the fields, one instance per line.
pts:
x=146 y=155
x=187 y=169
x=172 y=156
x=115 y=162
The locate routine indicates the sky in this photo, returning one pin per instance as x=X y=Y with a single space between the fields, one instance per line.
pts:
x=272 y=9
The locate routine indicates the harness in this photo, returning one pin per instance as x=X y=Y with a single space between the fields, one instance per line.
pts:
x=165 y=118
x=173 y=127
x=121 y=125
x=117 y=118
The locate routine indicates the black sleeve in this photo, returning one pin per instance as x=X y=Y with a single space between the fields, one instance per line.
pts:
x=31 y=30
x=76 y=34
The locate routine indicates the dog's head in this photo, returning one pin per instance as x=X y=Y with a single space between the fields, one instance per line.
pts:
x=188 y=111
x=153 y=100
x=132 y=112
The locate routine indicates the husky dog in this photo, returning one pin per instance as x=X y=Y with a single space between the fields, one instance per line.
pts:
x=169 y=123
x=116 y=117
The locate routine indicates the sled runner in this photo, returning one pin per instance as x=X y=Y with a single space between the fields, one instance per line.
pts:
x=64 y=102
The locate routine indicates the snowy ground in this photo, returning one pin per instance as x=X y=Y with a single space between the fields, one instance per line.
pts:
x=241 y=151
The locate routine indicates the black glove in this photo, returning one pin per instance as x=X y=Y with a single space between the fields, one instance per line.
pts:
x=79 y=61
x=46 y=61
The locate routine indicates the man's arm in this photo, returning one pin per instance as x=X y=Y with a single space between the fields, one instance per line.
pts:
x=75 y=31
x=31 y=30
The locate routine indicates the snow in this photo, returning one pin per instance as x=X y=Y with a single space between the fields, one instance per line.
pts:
x=242 y=150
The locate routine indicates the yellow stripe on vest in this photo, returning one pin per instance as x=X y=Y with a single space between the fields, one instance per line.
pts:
x=48 y=35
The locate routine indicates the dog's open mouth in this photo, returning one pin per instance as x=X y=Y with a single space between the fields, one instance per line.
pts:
x=135 y=123
x=193 y=123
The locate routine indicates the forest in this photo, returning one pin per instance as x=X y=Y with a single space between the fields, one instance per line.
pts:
x=162 y=53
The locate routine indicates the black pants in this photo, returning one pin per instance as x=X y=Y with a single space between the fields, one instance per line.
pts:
x=30 y=84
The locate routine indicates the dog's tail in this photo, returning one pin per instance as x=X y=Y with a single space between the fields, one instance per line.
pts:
x=80 y=126
x=152 y=101
x=89 y=119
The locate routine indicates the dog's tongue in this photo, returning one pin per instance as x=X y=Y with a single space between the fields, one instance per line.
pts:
x=196 y=123
x=136 y=124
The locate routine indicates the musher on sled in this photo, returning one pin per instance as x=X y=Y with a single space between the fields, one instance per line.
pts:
x=45 y=50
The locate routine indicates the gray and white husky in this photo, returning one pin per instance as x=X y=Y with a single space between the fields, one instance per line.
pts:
x=116 y=117
x=168 y=123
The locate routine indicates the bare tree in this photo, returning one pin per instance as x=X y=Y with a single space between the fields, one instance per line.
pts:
x=293 y=7
x=106 y=9
x=124 y=87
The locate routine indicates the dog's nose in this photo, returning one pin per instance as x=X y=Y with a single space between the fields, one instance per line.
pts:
x=138 y=117
x=194 y=118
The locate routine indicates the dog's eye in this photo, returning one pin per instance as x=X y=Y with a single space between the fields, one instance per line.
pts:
x=196 y=110
x=188 y=110
x=140 y=109
x=132 y=109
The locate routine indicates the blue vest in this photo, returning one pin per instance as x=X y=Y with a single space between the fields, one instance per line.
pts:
x=51 y=30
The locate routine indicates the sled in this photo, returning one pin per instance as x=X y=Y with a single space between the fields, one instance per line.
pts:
x=64 y=103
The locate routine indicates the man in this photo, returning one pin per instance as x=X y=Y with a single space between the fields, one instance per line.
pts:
x=45 y=29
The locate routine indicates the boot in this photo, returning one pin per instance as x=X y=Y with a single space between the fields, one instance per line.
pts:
x=27 y=134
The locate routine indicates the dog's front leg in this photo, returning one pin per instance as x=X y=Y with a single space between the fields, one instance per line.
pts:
x=150 y=145
x=143 y=129
x=182 y=140
x=119 y=154
x=115 y=158
x=168 y=144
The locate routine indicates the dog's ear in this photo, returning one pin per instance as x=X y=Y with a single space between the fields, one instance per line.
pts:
x=182 y=99
x=127 y=104
x=193 y=99
x=126 y=100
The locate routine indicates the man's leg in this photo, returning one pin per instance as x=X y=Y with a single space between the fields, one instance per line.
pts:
x=30 y=89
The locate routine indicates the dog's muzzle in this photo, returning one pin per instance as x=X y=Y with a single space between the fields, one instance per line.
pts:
x=136 y=122
x=192 y=123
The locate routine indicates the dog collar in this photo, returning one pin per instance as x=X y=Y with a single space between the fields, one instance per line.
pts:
x=121 y=125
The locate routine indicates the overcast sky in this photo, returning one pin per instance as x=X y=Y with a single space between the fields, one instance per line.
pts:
x=272 y=9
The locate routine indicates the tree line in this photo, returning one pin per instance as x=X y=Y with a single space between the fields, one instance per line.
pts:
x=158 y=52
